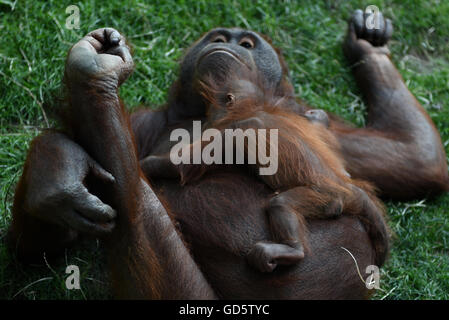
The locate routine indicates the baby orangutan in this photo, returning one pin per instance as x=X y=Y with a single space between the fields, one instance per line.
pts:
x=310 y=182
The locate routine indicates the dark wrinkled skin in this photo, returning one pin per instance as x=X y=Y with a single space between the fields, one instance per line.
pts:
x=399 y=151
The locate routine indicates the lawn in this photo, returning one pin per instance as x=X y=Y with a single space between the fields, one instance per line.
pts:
x=33 y=46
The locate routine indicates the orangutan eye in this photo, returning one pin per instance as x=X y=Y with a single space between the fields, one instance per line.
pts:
x=219 y=38
x=247 y=43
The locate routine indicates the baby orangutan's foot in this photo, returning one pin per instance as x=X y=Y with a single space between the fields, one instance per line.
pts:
x=318 y=116
x=266 y=256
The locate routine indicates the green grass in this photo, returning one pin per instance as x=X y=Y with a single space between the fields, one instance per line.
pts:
x=33 y=46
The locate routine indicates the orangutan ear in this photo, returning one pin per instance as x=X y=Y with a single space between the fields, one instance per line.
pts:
x=230 y=100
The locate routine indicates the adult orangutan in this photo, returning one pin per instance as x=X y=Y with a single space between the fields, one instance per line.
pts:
x=170 y=241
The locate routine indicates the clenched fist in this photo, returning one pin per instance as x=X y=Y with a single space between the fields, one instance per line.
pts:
x=102 y=56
